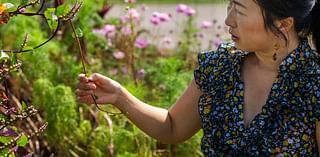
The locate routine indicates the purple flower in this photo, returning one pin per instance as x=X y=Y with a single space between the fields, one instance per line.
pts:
x=8 y=132
x=118 y=55
x=10 y=111
x=114 y=71
x=205 y=25
x=141 y=74
x=22 y=10
x=141 y=43
x=181 y=8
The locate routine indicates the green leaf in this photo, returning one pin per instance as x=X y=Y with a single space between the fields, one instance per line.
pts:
x=23 y=140
x=12 y=154
x=4 y=56
x=4 y=152
x=23 y=2
x=62 y=10
x=79 y=33
x=5 y=139
x=52 y=18
x=24 y=106
x=14 y=59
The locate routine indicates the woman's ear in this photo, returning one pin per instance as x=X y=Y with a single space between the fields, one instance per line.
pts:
x=286 y=24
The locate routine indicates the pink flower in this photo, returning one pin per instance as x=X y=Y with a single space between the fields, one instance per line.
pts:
x=107 y=30
x=164 y=17
x=130 y=1
x=118 y=55
x=134 y=14
x=190 y=11
x=126 y=30
x=124 y=70
x=155 y=21
x=205 y=25
x=144 y=7
x=157 y=18
x=141 y=43
x=155 y=14
x=166 y=43
x=181 y=8
x=167 y=40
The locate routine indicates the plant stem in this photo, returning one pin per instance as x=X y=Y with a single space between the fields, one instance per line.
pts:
x=84 y=67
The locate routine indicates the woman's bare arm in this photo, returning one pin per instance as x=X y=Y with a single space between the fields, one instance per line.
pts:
x=177 y=124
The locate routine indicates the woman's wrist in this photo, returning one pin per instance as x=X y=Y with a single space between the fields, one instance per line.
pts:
x=122 y=98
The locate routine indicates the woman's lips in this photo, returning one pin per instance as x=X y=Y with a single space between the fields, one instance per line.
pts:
x=233 y=37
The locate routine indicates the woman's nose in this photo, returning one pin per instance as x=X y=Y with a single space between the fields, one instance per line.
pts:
x=230 y=19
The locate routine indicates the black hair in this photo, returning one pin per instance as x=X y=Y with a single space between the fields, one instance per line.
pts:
x=306 y=15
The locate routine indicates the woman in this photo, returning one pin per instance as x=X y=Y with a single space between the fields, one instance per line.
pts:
x=256 y=96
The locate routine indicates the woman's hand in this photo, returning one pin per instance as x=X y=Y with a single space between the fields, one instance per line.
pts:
x=104 y=89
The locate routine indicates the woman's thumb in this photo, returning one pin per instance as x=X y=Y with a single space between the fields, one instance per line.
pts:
x=98 y=78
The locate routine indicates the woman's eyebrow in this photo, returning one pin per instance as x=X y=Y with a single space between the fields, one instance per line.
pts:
x=239 y=4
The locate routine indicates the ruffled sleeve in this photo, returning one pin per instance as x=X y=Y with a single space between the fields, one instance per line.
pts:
x=314 y=75
x=316 y=100
x=214 y=69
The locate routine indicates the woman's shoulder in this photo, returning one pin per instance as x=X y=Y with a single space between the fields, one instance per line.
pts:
x=225 y=51
x=215 y=66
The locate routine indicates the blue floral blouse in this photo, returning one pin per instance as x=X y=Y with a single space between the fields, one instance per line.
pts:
x=286 y=124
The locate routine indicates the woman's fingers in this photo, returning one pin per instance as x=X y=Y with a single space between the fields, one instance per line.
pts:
x=83 y=78
x=80 y=92
x=87 y=86
x=85 y=99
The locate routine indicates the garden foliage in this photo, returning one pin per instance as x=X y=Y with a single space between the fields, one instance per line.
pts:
x=119 y=47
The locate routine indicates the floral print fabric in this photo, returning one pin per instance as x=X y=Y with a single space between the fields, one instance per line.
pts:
x=286 y=124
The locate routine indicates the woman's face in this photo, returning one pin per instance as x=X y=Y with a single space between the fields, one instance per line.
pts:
x=247 y=28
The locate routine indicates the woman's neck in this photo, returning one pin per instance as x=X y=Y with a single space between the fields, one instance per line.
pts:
x=265 y=59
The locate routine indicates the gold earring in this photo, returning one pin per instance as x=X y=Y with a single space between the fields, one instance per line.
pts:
x=276 y=48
